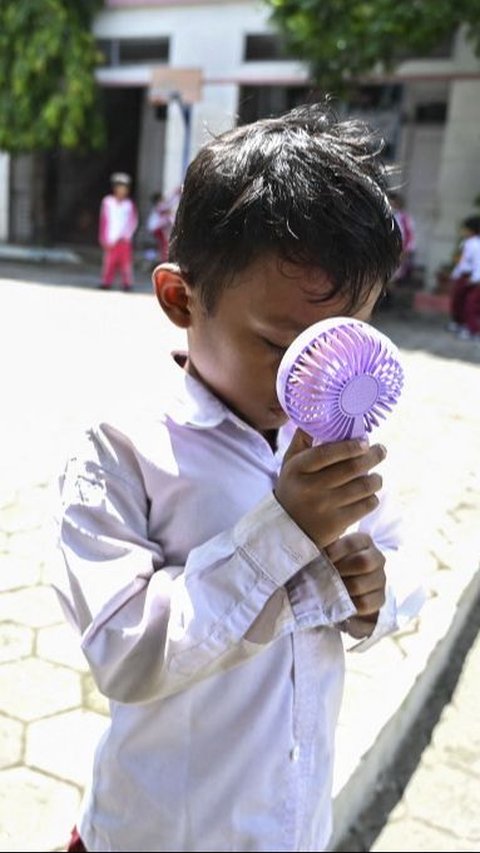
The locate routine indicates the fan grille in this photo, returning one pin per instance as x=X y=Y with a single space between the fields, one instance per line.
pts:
x=342 y=382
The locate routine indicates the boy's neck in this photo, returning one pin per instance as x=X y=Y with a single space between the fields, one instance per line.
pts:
x=181 y=358
x=271 y=436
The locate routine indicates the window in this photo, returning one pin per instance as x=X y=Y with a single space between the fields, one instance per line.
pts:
x=261 y=101
x=431 y=113
x=264 y=47
x=135 y=51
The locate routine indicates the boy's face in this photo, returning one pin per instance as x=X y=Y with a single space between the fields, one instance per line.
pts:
x=236 y=350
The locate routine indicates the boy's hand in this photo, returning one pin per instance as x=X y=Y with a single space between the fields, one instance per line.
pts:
x=327 y=488
x=361 y=567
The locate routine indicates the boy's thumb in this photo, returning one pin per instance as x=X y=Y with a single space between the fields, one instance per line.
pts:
x=301 y=441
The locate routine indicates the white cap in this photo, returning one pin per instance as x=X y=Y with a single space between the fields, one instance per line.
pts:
x=120 y=178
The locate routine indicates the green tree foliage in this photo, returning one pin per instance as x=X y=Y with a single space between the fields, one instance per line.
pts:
x=48 y=94
x=344 y=39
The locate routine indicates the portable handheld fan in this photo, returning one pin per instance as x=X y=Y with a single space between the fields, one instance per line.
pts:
x=338 y=378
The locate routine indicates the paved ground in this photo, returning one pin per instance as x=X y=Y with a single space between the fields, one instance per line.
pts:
x=67 y=351
x=430 y=798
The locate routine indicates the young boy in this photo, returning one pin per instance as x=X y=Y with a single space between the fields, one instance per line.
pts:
x=211 y=565
x=117 y=225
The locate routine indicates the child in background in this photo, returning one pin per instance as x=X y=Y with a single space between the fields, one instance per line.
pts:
x=212 y=563
x=159 y=223
x=118 y=223
x=406 y=224
x=465 y=282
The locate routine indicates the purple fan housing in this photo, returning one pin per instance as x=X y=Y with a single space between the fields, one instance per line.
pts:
x=338 y=378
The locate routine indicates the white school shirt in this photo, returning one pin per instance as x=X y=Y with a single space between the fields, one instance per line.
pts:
x=469 y=262
x=210 y=620
x=118 y=219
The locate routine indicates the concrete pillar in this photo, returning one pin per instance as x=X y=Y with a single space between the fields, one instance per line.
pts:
x=213 y=114
x=459 y=175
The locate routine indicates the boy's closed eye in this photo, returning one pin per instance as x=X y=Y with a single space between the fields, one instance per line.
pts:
x=278 y=348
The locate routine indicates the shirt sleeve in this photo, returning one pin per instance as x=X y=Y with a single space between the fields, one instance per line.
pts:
x=149 y=629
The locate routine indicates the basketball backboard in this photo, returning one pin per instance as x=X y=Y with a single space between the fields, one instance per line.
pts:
x=167 y=83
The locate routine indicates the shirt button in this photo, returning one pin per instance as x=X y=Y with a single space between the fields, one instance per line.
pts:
x=295 y=753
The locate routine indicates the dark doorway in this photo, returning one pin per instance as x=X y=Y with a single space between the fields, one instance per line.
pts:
x=79 y=181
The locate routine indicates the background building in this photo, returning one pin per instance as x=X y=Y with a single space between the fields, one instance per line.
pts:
x=429 y=112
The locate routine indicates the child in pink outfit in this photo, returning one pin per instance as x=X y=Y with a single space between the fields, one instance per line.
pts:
x=465 y=280
x=118 y=223
x=159 y=223
x=406 y=224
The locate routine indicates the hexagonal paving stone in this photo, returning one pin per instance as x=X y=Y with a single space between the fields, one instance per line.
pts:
x=11 y=741
x=4 y=538
x=64 y=745
x=447 y=798
x=59 y=643
x=31 y=689
x=36 y=813
x=37 y=607
x=23 y=515
x=16 y=571
x=16 y=641
x=35 y=544
x=414 y=834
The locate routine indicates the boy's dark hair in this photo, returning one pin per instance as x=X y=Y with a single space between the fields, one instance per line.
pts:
x=303 y=186
x=472 y=223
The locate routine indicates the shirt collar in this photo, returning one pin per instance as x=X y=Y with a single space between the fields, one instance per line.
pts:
x=190 y=403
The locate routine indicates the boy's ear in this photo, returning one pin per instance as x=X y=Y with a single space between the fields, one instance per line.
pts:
x=173 y=294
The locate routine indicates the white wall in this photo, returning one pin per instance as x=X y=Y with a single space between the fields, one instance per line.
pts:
x=209 y=36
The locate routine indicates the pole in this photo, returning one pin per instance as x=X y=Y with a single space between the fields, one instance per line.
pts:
x=186 y=111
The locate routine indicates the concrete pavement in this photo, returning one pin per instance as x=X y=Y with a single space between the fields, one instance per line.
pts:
x=68 y=351
x=439 y=808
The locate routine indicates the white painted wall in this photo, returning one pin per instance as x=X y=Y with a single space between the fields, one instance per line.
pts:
x=210 y=36
x=443 y=168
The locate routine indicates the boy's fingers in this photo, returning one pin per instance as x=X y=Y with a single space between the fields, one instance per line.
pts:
x=300 y=441
x=351 y=543
x=356 y=490
x=369 y=604
x=341 y=473
x=350 y=514
x=324 y=455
